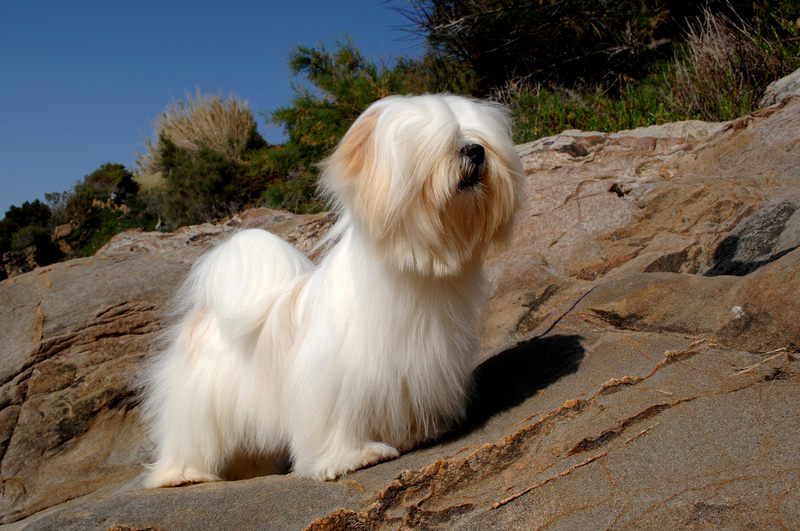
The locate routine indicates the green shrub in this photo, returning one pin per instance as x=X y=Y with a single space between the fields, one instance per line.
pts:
x=17 y=218
x=45 y=251
x=540 y=111
x=109 y=181
x=340 y=85
x=113 y=185
x=200 y=185
x=27 y=236
x=99 y=226
x=287 y=175
x=719 y=75
x=202 y=154
x=568 y=42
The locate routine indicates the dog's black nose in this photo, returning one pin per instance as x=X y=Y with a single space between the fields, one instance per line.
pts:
x=474 y=157
x=475 y=153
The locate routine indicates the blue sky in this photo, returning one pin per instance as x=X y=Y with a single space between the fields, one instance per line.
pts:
x=81 y=81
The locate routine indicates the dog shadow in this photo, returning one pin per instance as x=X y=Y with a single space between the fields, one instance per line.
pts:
x=500 y=383
x=508 y=379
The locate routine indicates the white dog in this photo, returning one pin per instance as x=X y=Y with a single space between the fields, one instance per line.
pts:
x=348 y=364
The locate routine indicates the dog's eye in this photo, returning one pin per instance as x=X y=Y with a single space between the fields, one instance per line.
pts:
x=474 y=159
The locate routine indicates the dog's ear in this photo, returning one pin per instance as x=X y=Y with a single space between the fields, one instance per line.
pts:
x=351 y=177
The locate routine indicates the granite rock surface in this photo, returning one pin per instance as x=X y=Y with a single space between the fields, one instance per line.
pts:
x=638 y=368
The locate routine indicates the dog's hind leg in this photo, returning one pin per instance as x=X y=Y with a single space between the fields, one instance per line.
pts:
x=213 y=379
x=180 y=408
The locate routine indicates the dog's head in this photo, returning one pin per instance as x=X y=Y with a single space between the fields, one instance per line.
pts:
x=431 y=180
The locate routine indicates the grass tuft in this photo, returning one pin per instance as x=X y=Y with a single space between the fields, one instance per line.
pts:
x=725 y=67
x=207 y=121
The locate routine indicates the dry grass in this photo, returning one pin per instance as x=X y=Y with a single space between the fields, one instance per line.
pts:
x=205 y=121
x=724 y=69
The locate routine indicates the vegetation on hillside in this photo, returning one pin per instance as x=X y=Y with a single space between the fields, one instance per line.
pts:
x=569 y=42
x=338 y=85
x=206 y=121
x=557 y=64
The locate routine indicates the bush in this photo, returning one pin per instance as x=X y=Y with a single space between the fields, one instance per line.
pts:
x=17 y=218
x=102 y=224
x=204 y=122
x=27 y=236
x=572 y=42
x=341 y=84
x=725 y=68
x=720 y=74
x=202 y=153
x=114 y=186
x=45 y=251
x=99 y=226
x=200 y=186
x=109 y=181
x=565 y=42
x=540 y=111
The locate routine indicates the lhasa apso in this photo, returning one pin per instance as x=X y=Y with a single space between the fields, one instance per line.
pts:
x=345 y=365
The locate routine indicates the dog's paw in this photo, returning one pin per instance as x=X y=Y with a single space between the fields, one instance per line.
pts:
x=172 y=477
x=376 y=452
x=370 y=454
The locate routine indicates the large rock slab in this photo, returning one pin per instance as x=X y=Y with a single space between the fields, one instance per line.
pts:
x=638 y=368
x=76 y=336
x=783 y=88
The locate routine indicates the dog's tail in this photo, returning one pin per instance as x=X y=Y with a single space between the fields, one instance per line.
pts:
x=238 y=281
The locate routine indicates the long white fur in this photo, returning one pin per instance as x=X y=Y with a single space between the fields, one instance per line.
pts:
x=345 y=365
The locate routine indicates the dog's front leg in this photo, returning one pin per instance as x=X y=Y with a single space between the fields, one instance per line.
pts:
x=340 y=456
x=330 y=438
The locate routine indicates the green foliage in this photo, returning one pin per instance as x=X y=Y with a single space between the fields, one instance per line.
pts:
x=719 y=74
x=200 y=186
x=566 y=42
x=111 y=184
x=109 y=174
x=34 y=214
x=27 y=236
x=109 y=181
x=102 y=224
x=540 y=111
x=26 y=226
x=340 y=85
x=45 y=251
x=203 y=151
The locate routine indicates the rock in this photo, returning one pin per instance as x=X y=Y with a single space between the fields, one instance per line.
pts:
x=18 y=262
x=638 y=368
x=783 y=88
x=62 y=231
x=76 y=335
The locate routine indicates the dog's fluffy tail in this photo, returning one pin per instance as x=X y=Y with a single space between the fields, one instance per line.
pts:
x=201 y=390
x=238 y=281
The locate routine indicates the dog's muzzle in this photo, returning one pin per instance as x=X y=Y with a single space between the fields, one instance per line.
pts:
x=474 y=162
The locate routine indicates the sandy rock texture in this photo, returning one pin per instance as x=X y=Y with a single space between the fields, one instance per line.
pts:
x=638 y=368
x=783 y=88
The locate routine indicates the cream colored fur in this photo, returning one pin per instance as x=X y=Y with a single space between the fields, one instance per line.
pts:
x=341 y=366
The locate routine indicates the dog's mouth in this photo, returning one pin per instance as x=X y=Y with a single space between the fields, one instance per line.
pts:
x=474 y=162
